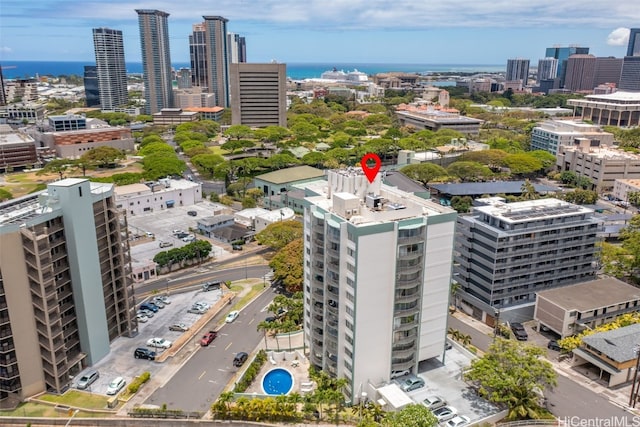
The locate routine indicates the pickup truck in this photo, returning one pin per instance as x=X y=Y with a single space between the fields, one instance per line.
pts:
x=208 y=338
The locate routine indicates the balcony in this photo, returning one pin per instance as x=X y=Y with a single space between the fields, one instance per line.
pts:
x=403 y=356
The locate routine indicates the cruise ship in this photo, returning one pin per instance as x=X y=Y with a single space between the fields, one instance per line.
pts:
x=340 y=75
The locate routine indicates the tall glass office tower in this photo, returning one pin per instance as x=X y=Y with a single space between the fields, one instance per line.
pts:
x=156 y=59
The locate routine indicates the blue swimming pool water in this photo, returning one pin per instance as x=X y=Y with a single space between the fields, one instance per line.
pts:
x=277 y=381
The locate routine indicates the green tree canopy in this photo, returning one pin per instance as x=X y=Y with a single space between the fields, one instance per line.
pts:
x=513 y=374
x=492 y=158
x=414 y=415
x=424 y=172
x=287 y=265
x=156 y=148
x=158 y=165
x=469 y=171
x=238 y=132
x=279 y=234
x=5 y=195
x=102 y=156
x=522 y=163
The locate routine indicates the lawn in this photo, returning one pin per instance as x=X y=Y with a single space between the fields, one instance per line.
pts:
x=31 y=409
x=78 y=399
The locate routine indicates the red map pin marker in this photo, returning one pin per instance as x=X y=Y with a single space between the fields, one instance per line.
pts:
x=370 y=172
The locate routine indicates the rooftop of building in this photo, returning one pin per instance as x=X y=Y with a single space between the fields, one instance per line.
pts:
x=616 y=96
x=402 y=182
x=251 y=212
x=66 y=117
x=532 y=209
x=282 y=214
x=434 y=114
x=618 y=344
x=631 y=182
x=603 y=152
x=204 y=109
x=215 y=220
x=569 y=126
x=492 y=187
x=160 y=186
x=592 y=294
x=11 y=137
x=297 y=173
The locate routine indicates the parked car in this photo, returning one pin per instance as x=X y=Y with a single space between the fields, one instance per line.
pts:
x=181 y=327
x=445 y=413
x=196 y=309
x=181 y=235
x=178 y=232
x=448 y=345
x=159 y=343
x=458 y=421
x=239 y=359
x=553 y=345
x=515 y=326
x=165 y=244
x=398 y=374
x=142 y=318
x=149 y=306
x=211 y=286
x=165 y=299
x=115 y=386
x=189 y=238
x=270 y=319
x=521 y=335
x=208 y=338
x=232 y=316
x=144 y=353
x=192 y=213
x=434 y=402
x=236 y=247
x=158 y=303
x=147 y=313
x=87 y=379
x=202 y=304
x=411 y=382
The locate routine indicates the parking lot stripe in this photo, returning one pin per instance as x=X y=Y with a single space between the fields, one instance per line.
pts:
x=202 y=375
x=227 y=347
x=251 y=321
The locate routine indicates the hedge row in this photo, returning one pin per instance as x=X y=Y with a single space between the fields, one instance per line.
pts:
x=138 y=381
x=251 y=372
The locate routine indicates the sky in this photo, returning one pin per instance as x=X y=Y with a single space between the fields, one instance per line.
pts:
x=331 y=31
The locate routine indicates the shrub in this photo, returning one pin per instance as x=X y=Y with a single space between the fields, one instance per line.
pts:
x=251 y=372
x=138 y=381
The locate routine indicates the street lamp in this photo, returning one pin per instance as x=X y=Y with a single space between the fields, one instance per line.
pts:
x=496 y=313
x=75 y=412
x=633 y=398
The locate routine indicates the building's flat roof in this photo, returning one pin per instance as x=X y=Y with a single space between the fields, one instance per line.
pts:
x=591 y=295
x=213 y=220
x=616 y=96
x=291 y=174
x=402 y=182
x=618 y=344
x=125 y=190
x=532 y=209
x=495 y=187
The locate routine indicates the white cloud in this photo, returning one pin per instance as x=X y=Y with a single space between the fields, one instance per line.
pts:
x=5 y=49
x=618 y=37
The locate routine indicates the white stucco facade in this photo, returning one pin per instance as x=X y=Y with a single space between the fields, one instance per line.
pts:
x=139 y=199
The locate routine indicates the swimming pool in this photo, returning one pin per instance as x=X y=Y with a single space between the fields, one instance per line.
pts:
x=277 y=381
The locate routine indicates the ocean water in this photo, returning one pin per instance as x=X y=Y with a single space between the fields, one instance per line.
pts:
x=296 y=71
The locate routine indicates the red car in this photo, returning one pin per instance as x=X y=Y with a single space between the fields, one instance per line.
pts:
x=208 y=338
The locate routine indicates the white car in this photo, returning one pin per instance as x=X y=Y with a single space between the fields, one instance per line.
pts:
x=163 y=298
x=159 y=343
x=434 y=402
x=158 y=303
x=142 y=318
x=458 y=421
x=115 y=386
x=146 y=312
x=232 y=316
x=445 y=413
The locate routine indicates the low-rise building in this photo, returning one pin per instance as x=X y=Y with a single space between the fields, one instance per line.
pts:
x=22 y=113
x=601 y=164
x=622 y=188
x=223 y=228
x=174 y=116
x=281 y=181
x=207 y=113
x=571 y=309
x=137 y=199
x=73 y=144
x=613 y=352
x=551 y=134
x=143 y=270
x=611 y=109
x=434 y=119
x=17 y=150
x=67 y=122
x=263 y=220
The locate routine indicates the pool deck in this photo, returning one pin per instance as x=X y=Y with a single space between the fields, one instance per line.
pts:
x=292 y=362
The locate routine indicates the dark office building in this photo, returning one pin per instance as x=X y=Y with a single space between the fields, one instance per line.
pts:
x=91 y=90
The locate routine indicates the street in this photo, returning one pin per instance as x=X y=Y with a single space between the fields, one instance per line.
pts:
x=203 y=377
x=569 y=399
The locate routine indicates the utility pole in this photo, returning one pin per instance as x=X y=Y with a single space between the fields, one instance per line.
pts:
x=633 y=398
x=496 y=327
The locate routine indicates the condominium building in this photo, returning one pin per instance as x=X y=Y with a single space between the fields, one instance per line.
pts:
x=3 y=95
x=17 y=149
x=65 y=290
x=517 y=69
x=377 y=272
x=506 y=252
x=22 y=112
x=110 y=67
x=547 y=69
x=237 y=48
x=580 y=73
x=620 y=108
x=622 y=188
x=601 y=164
x=156 y=59
x=217 y=59
x=259 y=94
x=552 y=134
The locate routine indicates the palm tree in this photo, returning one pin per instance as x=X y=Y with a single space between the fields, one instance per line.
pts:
x=455 y=287
x=225 y=400
x=528 y=191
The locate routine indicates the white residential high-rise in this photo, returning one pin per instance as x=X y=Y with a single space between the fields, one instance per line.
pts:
x=517 y=69
x=110 y=68
x=547 y=69
x=377 y=269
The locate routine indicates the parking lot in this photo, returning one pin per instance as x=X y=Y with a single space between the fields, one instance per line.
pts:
x=120 y=361
x=445 y=381
x=161 y=225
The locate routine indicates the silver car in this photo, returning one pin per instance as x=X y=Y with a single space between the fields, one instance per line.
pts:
x=87 y=379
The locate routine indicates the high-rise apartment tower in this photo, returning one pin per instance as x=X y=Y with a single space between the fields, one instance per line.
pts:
x=156 y=59
x=111 y=70
x=217 y=58
x=517 y=69
x=259 y=94
x=65 y=286
x=377 y=272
